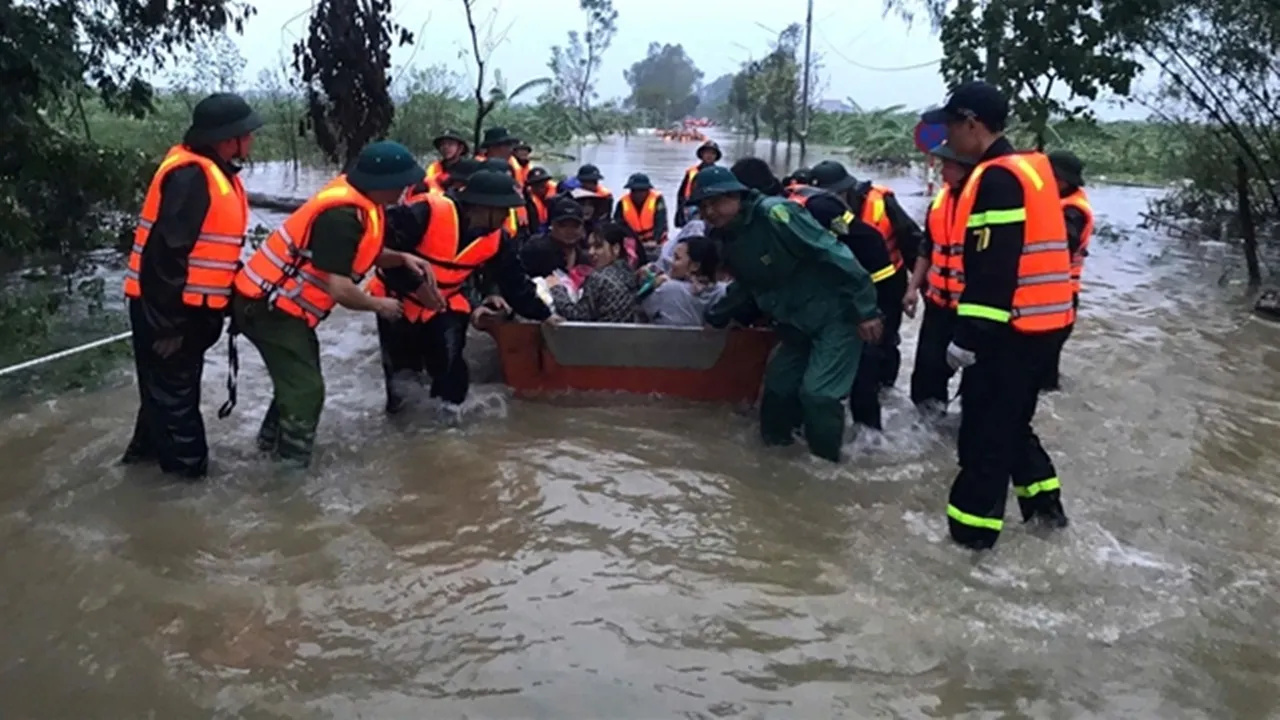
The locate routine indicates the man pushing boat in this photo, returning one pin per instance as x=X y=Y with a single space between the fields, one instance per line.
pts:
x=787 y=266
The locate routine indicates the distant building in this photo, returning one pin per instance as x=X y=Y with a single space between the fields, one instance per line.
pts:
x=835 y=106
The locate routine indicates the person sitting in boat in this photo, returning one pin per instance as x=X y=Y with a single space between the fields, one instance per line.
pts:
x=594 y=216
x=609 y=292
x=541 y=261
x=822 y=301
x=691 y=229
x=565 y=241
x=682 y=295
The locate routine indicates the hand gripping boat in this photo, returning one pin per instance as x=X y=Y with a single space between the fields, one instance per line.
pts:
x=681 y=362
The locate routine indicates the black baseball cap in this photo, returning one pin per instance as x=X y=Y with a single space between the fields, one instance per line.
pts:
x=974 y=100
x=566 y=209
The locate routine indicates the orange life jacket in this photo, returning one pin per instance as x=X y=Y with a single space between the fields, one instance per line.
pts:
x=518 y=171
x=946 y=262
x=437 y=177
x=1080 y=201
x=281 y=269
x=801 y=194
x=214 y=259
x=451 y=264
x=1042 y=301
x=687 y=185
x=540 y=203
x=873 y=214
x=641 y=221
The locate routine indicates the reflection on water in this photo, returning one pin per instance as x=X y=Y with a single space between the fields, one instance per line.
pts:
x=648 y=559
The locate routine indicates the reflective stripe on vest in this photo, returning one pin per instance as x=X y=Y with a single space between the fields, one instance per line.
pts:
x=436 y=177
x=946 y=263
x=281 y=269
x=451 y=265
x=215 y=257
x=874 y=214
x=1042 y=301
x=642 y=222
x=1080 y=201
x=800 y=195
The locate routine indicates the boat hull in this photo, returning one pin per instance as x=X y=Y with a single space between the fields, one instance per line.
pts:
x=687 y=363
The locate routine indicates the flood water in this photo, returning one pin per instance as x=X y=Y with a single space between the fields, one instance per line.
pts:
x=649 y=560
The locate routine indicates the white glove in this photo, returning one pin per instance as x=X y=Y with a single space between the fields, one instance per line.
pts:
x=958 y=357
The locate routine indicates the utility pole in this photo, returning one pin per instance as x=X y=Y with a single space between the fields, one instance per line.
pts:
x=804 y=92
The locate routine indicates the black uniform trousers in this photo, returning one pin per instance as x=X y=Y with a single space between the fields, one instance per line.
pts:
x=997 y=444
x=169 y=427
x=435 y=348
x=931 y=373
x=879 y=363
x=1052 y=375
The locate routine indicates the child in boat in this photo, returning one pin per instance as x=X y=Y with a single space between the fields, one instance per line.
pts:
x=562 y=245
x=683 y=294
x=609 y=292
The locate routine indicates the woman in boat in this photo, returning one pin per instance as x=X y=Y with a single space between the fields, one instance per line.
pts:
x=682 y=295
x=609 y=292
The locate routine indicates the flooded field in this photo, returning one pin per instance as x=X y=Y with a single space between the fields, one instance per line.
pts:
x=648 y=559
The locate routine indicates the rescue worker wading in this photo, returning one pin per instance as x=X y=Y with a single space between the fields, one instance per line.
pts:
x=512 y=224
x=1017 y=295
x=822 y=301
x=600 y=197
x=540 y=191
x=1078 y=214
x=708 y=155
x=186 y=250
x=312 y=262
x=869 y=249
x=452 y=148
x=644 y=211
x=460 y=234
x=877 y=206
x=939 y=274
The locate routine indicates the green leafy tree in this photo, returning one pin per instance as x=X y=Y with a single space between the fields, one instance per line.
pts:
x=343 y=65
x=575 y=67
x=664 y=83
x=1055 y=56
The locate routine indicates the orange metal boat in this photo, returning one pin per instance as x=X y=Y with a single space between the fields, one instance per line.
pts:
x=682 y=362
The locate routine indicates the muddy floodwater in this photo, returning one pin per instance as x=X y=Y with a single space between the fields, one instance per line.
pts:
x=620 y=559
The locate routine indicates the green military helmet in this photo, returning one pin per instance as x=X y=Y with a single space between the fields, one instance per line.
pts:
x=832 y=176
x=384 y=165
x=712 y=182
x=944 y=152
x=709 y=145
x=218 y=117
x=454 y=136
x=639 y=181
x=1067 y=167
x=490 y=188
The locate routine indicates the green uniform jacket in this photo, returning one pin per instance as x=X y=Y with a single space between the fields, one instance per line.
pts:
x=788 y=266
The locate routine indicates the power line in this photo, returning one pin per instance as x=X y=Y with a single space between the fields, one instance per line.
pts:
x=831 y=46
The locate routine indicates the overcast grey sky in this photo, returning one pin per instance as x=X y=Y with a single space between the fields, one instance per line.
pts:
x=857 y=44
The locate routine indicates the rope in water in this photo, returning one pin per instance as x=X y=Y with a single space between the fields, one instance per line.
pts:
x=63 y=353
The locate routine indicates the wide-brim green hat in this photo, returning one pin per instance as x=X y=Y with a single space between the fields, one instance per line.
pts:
x=831 y=176
x=384 y=165
x=218 y=117
x=498 y=136
x=490 y=188
x=713 y=182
